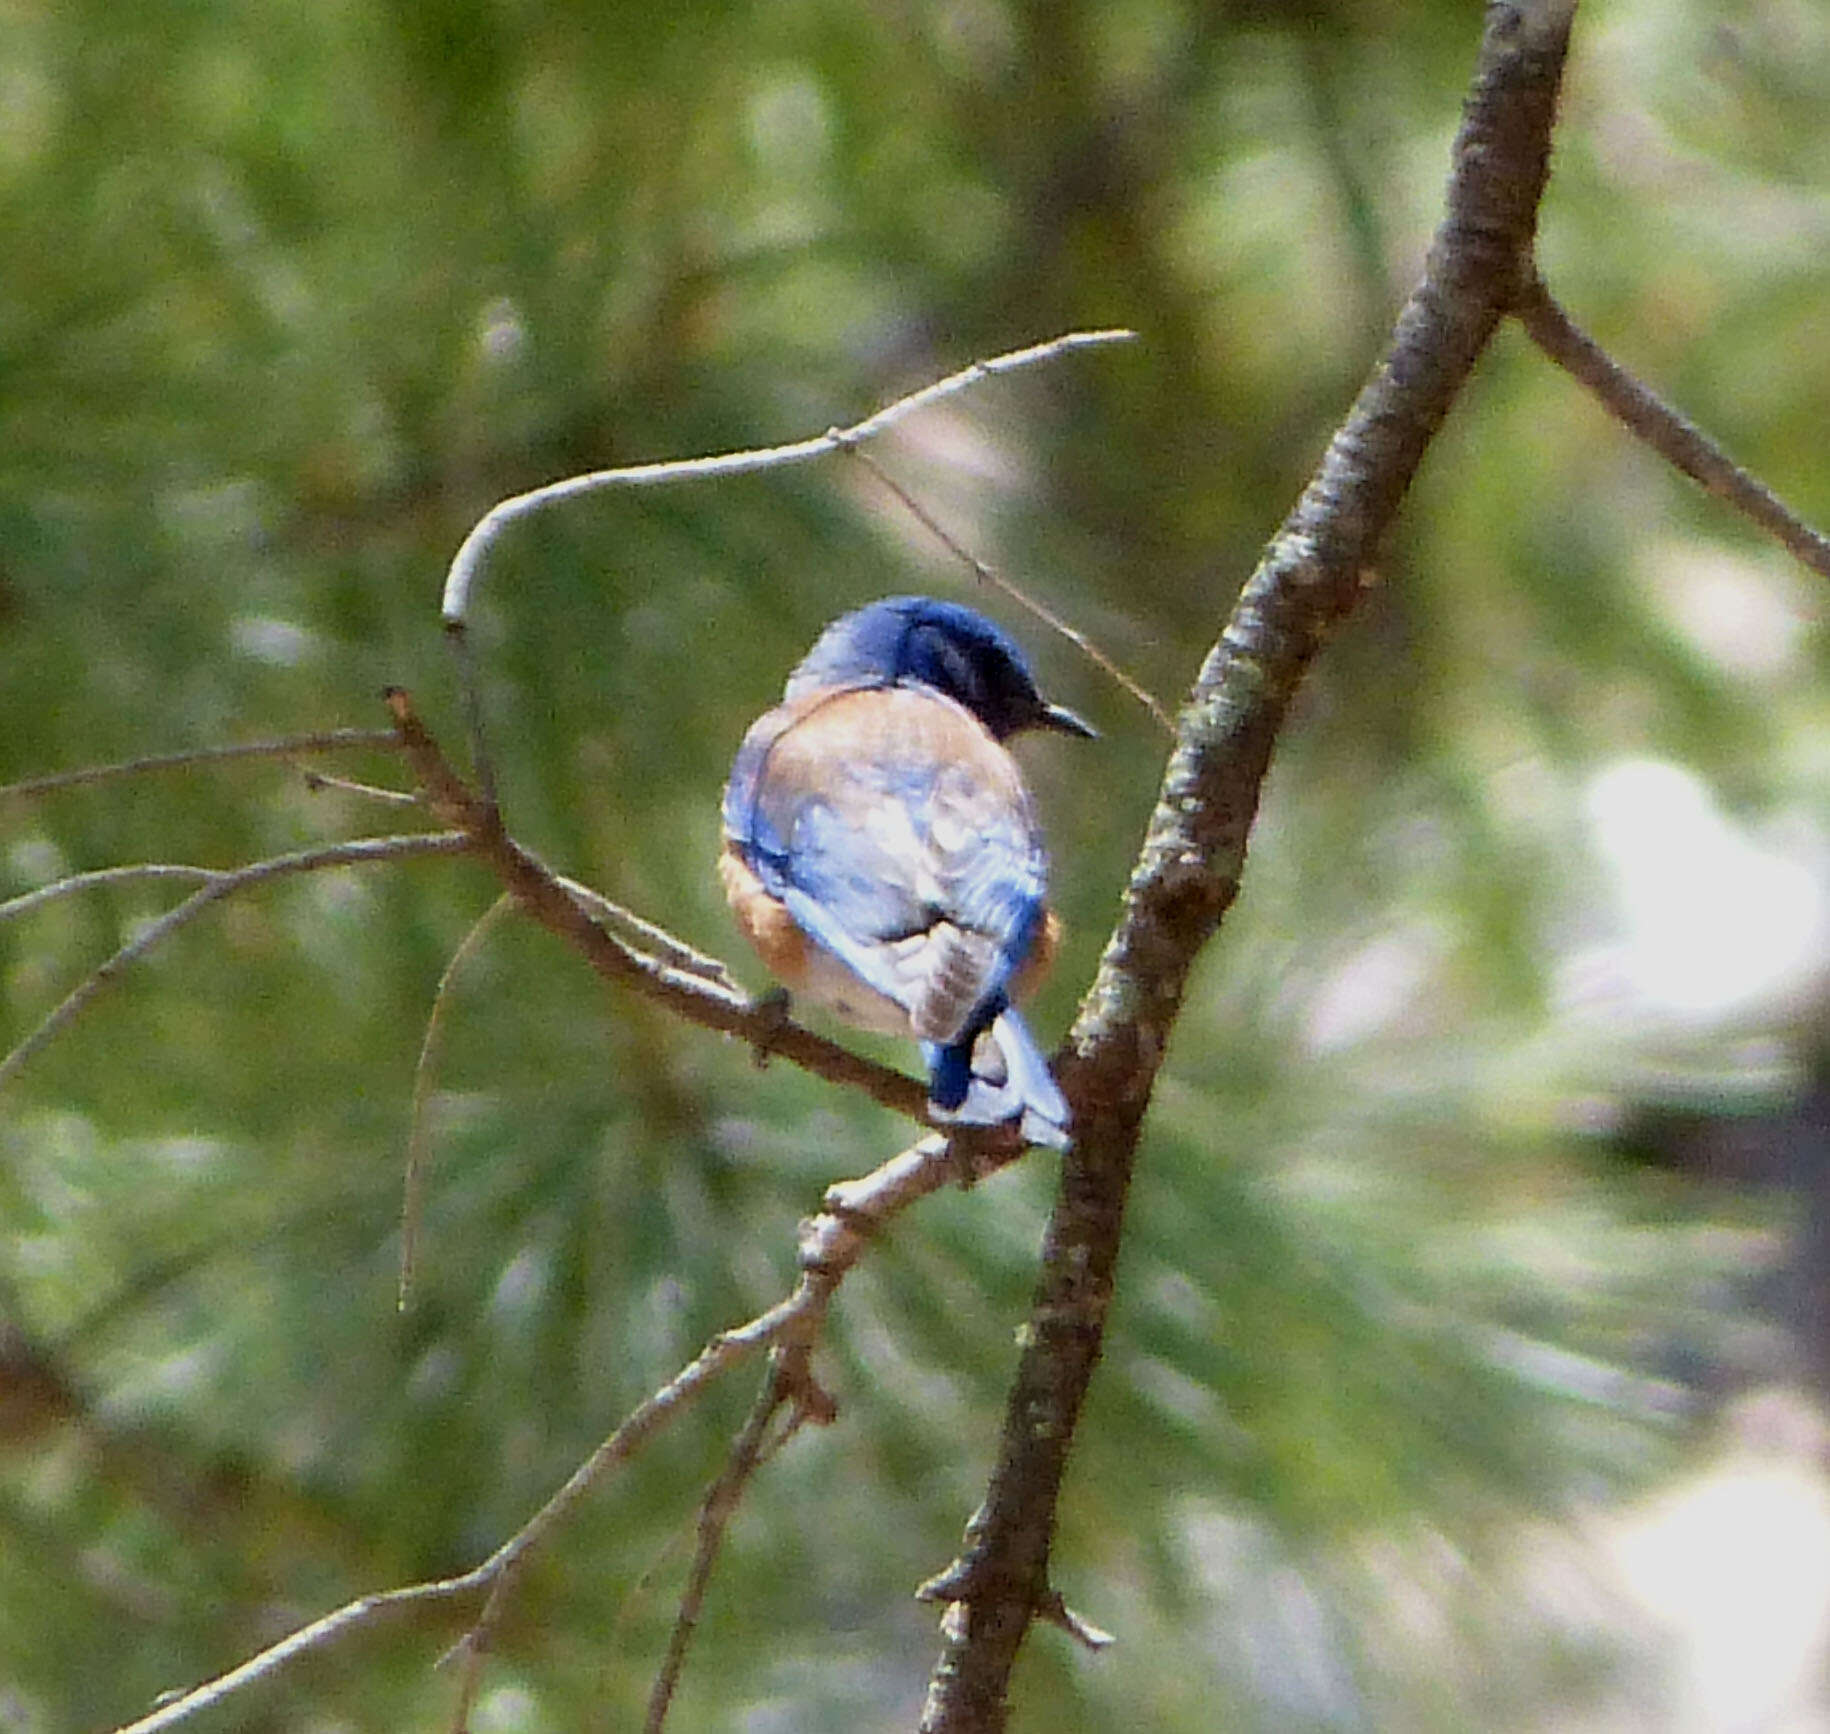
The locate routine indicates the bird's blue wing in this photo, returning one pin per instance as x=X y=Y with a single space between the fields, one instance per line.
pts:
x=860 y=876
x=900 y=839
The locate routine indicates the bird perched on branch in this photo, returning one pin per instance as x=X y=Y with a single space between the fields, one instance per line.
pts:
x=882 y=855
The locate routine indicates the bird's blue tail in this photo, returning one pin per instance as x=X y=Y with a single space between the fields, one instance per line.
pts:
x=1012 y=1081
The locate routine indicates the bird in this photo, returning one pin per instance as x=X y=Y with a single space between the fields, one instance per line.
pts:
x=882 y=854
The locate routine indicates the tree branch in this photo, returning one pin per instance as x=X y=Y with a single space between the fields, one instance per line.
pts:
x=1188 y=872
x=324 y=740
x=135 y=874
x=220 y=885
x=853 y=1212
x=467 y=564
x=684 y=988
x=1679 y=442
x=789 y=1380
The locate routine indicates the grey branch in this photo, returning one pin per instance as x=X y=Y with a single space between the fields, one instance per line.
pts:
x=467 y=564
x=289 y=746
x=831 y=1244
x=786 y=1373
x=218 y=886
x=1642 y=412
x=1188 y=873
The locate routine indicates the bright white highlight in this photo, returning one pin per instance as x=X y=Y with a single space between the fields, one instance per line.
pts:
x=1713 y=923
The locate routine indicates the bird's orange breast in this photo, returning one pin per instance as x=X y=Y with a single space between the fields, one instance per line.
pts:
x=765 y=923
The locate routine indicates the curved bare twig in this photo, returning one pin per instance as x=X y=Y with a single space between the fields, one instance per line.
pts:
x=224 y=884
x=324 y=740
x=467 y=564
x=424 y=1067
x=139 y=873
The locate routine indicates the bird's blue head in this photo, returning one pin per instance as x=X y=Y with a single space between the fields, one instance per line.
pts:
x=921 y=641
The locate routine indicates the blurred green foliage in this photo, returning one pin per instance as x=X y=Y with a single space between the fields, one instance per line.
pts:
x=292 y=294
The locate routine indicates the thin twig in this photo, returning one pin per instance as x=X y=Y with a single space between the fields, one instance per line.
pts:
x=668 y=947
x=474 y=1644
x=351 y=1617
x=715 y=1513
x=318 y=781
x=853 y=1213
x=830 y=1245
x=323 y=741
x=475 y=547
x=986 y=575
x=1678 y=441
x=226 y=884
x=419 y=1137
x=30 y=900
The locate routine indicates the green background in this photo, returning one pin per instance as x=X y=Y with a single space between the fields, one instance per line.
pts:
x=292 y=294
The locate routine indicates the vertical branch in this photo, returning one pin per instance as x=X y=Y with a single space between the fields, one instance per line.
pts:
x=1188 y=872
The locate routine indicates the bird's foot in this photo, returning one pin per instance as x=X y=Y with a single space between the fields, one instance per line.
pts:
x=772 y=1017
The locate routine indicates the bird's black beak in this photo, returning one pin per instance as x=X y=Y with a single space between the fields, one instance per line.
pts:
x=1064 y=721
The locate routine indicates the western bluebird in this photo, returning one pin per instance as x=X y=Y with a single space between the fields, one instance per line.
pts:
x=881 y=854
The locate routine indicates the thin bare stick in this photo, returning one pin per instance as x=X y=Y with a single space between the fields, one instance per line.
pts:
x=471 y=1648
x=418 y=1137
x=355 y=854
x=1679 y=442
x=997 y=581
x=715 y=1513
x=351 y=1617
x=317 y=782
x=475 y=548
x=668 y=947
x=853 y=1213
x=30 y=900
x=324 y=741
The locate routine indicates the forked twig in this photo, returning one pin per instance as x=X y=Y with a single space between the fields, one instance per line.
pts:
x=715 y=1512
x=225 y=884
x=788 y=1381
x=831 y=1244
x=473 y=552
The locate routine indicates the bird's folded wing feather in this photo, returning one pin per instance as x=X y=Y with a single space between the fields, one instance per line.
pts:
x=898 y=834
